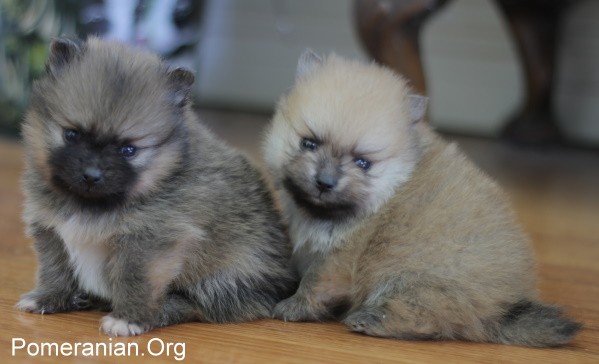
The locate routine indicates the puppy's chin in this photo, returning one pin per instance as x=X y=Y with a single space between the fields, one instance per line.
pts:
x=318 y=207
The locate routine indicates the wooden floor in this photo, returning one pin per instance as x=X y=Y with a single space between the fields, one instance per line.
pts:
x=556 y=194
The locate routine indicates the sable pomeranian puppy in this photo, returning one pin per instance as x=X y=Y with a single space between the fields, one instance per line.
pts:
x=135 y=206
x=392 y=223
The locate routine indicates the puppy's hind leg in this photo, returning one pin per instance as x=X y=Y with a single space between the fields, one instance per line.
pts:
x=368 y=320
x=235 y=299
x=372 y=315
x=383 y=321
x=178 y=308
x=416 y=307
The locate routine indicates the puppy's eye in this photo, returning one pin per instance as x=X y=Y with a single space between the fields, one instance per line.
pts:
x=363 y=163
x=128 y=151
x=309 y=144
x=71 y=135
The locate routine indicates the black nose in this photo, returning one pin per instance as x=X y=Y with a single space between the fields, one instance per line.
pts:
x=92 y=175
x=325 y=182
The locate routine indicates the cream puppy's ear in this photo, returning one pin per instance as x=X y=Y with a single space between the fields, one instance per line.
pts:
x=308 y=62
x=417 y=106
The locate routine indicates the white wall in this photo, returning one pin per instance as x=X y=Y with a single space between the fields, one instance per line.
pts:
x=250 y=47
x=473 y=79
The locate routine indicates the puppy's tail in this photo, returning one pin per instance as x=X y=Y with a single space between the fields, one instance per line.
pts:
x=535 y=324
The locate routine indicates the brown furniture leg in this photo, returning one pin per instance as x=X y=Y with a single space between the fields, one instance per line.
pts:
x=389 y=30
x=535 y=25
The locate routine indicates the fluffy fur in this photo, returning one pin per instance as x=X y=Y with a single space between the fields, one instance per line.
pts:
x=134 y=206
x=391 y=225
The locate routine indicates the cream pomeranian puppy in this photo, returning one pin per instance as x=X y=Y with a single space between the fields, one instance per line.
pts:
x=390 y=224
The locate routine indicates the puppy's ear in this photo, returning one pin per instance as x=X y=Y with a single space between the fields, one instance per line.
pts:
x=62 y=52
x=180 y=81
x=417 y=106
x=308 y=62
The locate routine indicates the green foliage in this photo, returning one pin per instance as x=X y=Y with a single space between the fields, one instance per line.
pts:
x=26 y=27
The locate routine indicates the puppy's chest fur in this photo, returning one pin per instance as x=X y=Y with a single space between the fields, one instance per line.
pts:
x=85 y=242
x=311 y=235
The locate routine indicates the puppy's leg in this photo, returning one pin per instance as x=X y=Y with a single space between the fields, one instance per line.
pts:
x=175 y=309
x=139 y=272
x=416 y=307
x=323 y=293
x=56 y=288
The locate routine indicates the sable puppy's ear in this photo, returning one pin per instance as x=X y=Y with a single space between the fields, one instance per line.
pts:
x=308 y=62
x=62 y=52
x=417 y=106
x=180 y=80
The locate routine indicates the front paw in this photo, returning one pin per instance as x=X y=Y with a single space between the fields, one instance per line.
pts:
x=42 y=303
x=295 y=308
x=120 y=327
x=29 y=304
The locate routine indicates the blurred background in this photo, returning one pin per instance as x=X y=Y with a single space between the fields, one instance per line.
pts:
x=244 y=53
